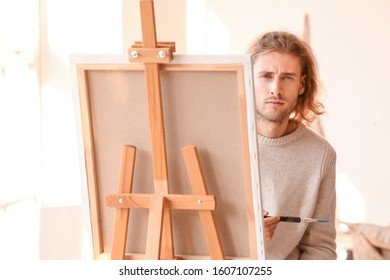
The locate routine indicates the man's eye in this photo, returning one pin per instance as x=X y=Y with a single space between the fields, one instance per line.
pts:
x=288 y=78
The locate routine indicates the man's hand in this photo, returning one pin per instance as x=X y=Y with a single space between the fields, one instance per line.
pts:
x=270 y=224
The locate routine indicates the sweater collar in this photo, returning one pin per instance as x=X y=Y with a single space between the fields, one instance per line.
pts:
x=297 y=133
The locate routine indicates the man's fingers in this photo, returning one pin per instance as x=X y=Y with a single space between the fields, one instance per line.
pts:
x=270 y=224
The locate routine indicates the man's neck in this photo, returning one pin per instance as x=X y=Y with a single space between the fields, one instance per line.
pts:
x=274 y=130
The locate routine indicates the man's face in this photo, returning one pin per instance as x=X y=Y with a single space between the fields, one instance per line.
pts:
x=278 y=83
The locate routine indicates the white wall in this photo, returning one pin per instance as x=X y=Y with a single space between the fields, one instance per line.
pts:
x=351 y=42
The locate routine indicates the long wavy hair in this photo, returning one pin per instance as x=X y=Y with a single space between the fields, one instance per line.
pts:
x=308 y=107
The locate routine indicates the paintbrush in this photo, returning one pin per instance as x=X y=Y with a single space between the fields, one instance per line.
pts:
x=291 y=219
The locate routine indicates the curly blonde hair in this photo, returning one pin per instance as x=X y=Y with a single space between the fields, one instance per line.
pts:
x=308 y=107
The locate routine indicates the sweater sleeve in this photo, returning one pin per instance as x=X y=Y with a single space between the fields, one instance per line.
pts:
x=319 y=240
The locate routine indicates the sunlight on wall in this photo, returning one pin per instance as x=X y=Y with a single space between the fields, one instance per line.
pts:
x=20 y=169
x=351 y=207
x=69 y=27
x=217 y=35
x=17 y=33
x=206 y=33
x=86 y=26
x=19 y=144
x=60 y=182
x=39 y=156
x=19 y=162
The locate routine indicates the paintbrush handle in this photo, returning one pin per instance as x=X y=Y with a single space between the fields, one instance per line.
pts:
x=288 y=219
x=292 y=219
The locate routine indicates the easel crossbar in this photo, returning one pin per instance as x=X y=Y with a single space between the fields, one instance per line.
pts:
x=173 y=201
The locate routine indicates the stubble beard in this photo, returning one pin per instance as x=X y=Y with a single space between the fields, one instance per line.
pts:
x=273 y=115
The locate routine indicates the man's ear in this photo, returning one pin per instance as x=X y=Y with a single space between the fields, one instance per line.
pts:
x=302 y=86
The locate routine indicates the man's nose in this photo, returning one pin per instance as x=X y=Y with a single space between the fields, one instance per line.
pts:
x=276 y=87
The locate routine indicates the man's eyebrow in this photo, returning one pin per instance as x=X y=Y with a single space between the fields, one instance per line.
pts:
x=289 y=74
x=271 y=72
x=260 y=73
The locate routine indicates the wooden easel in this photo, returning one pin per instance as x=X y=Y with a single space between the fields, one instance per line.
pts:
x=159 y=242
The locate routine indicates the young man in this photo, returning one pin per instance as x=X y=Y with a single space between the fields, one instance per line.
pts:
x=297 y=166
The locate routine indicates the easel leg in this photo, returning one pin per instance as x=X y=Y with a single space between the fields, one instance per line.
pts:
x=122 y=214
x=153 y=241
x=167 y=250
x=160 y=168
x=206 y=216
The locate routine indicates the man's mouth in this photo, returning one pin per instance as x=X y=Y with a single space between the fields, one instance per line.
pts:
x=275 y=102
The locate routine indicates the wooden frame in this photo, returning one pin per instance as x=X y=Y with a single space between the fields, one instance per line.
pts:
x=208 y=102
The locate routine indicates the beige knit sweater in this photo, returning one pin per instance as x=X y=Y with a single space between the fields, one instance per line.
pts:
x=298 y=179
